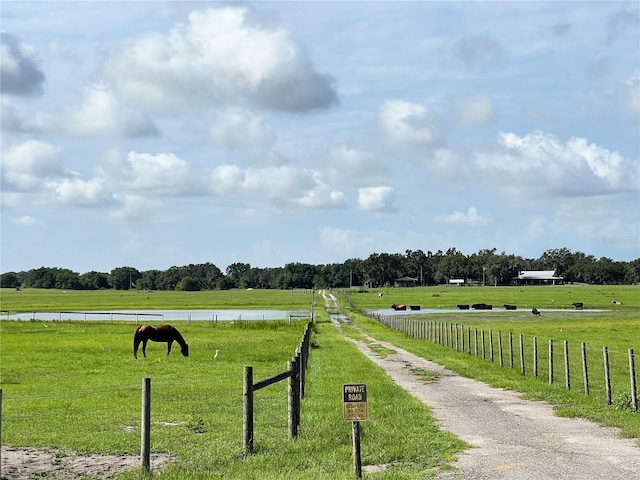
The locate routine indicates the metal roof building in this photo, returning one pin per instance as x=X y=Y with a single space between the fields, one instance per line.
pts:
x=538 y=277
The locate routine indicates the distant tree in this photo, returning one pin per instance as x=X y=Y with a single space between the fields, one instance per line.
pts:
x=188 y=284
x=9 y=280
x=236 y=273
x=124 y=278
x=94 y=280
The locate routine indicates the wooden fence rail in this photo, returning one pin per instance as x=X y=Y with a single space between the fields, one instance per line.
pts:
x=480 y=343
x=296 y=376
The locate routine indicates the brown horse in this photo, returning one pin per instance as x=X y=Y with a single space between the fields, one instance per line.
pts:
x=165 y=333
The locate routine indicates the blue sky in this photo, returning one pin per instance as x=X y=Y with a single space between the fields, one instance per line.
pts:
x=153 y=134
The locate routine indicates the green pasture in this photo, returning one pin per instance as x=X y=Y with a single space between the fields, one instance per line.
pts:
x=558 y=296
x=34 y=300
x=74 y=386
x=615 y=328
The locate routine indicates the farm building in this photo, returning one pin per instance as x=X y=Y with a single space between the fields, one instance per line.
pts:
x=405 y=282
x=538 y=277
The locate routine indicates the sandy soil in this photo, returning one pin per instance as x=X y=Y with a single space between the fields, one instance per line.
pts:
x=29 y=463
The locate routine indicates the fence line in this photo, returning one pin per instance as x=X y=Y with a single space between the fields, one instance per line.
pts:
x=295 y=373
x=442 y=333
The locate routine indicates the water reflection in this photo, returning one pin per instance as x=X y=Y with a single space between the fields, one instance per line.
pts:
x=162 y=315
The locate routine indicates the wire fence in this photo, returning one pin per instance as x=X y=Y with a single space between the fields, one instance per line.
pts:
x=597 y=371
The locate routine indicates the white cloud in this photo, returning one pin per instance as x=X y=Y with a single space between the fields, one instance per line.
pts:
x=352 y=166
x=78 y=192
x=163 y=174
x=541 y=162
x=135 y=208
x=19 y=73
x=474 y=109
x=237 y=128
x=378 y=199
x=26 y=165
x=470 y=219
x=220 y=55
x=100 y=113
x=280 y=185
x=408 y=123
x=323 y=196
x=25 y=221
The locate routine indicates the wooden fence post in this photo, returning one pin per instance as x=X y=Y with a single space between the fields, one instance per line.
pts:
x=522 y=364
x=550 y=361
x=567 y=373
x=476 y=335
x=247 y=424
x=632 y=374
x=585 y=371
x=535 y=356
x=607 y=378
x=292 y=407
x=145 y=427
x=483 y=352
x=511 y=349
x=491 y=345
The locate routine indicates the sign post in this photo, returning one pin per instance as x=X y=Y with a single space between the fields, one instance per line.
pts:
x=355 y=410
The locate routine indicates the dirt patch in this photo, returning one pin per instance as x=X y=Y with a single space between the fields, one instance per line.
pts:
x=29 y=463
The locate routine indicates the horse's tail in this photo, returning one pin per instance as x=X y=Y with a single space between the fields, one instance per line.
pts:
x=136 y=342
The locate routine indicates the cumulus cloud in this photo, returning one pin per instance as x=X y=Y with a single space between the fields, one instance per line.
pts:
x=478 y=51
x=19 y=72
x=378 y=199
x=78 y=192
x=540 y=162
x=473 y=109
x=470 y=219
x=219 y=55
x=27 y=165
x=238 y=128
x=352 y=166
x=408 y=123
x=163 y=174
x=280 y=185
x=100 y=113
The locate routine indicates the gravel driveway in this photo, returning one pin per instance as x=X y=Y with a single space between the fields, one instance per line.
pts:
x=513 y=438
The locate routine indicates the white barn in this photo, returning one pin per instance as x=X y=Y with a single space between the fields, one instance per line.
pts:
x=538 y=277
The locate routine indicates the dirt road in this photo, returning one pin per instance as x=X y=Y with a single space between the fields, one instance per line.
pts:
x=513 y=439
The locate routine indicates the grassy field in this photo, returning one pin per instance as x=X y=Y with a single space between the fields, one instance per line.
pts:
x=51 y=300
x=616 y=327
x=560 y=296
x=75 y=386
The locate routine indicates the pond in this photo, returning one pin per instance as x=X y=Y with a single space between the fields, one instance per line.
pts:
x=162 y=315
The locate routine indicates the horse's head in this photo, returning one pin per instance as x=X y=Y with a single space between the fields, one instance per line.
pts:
x=185 y=350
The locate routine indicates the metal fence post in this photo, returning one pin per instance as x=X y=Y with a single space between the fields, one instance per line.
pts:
x=247 y=424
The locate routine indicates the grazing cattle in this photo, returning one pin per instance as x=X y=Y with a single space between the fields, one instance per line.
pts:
x=510 y=307
x=463 y=307
x=616 y=302
x=536 y=312
x=578 y=305
x=481 y=306
x=414 y=307
x=380 y=294
x=396 y=306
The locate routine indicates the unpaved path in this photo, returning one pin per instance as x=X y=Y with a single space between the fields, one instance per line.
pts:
x=513 y=439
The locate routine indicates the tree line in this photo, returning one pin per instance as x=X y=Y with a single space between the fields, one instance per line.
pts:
x=486 y=267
